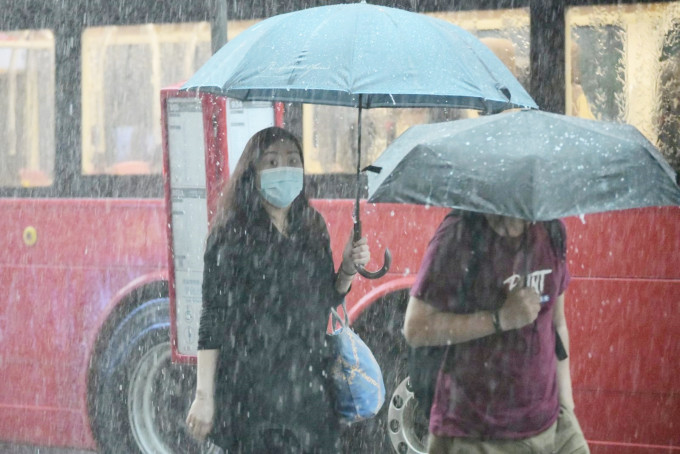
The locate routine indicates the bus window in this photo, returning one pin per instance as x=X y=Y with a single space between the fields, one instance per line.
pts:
x=505 y=31
x=124 y=68
x=623 y=64
x=329 y=132
x=668 y=98
x=27 y=68
x=597 y=69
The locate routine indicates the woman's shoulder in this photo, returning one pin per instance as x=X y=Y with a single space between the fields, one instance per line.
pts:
x=450 y=228
x=226 y=234
x=555 y=233
x=314 y=222
x=315 y=216
x=459 y=230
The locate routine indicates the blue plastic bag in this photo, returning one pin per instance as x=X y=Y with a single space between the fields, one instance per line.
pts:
x=359 y=386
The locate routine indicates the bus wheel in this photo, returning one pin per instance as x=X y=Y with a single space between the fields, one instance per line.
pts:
x=400 y=427
x=138 y=399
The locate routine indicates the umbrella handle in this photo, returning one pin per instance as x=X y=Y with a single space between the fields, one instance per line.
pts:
x=387 y=261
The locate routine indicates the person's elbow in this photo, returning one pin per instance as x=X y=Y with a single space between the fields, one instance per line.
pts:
x=416 y=325
x=411 y=334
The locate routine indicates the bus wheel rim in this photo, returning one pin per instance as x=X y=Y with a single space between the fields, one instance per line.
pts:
x=407 y=429
x=141 y=403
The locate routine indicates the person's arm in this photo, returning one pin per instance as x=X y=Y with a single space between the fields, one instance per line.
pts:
x=356 y=253
x=218 y=270
x=425 y=325
x=563 y=373
x=202 y=411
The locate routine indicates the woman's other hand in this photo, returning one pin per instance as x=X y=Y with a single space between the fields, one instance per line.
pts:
x=356 y=253
x=201 y=415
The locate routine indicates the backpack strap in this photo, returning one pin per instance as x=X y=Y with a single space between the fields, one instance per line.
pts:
x=472 y=223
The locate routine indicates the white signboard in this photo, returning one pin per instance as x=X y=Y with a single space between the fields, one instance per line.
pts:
x=186 y=147
x=245 y=119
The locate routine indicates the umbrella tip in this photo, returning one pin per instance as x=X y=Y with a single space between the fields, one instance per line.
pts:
x=372 y=168
x=505 y=91
x=492 y=108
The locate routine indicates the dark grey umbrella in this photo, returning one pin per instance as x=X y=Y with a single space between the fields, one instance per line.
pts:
x=528 y=164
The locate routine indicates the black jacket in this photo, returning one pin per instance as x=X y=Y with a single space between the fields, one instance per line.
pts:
x=266 y=299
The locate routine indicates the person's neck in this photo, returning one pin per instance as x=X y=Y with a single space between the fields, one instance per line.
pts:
x=278 y=216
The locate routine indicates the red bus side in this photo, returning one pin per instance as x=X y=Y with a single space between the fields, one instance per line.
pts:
x=622 y=307
x=58 y=293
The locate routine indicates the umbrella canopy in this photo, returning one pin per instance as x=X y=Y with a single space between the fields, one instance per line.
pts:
x=528 y=164
x=361 y=55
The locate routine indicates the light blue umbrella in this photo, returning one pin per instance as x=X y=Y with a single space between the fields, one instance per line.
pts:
x=361 y=55
x=364 y=56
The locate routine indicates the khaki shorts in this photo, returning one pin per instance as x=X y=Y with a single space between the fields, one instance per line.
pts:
x=563 y=437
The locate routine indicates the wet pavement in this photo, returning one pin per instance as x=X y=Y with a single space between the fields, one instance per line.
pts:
x=8 y=448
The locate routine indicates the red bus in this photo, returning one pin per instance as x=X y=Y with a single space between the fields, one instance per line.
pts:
x=85 y=346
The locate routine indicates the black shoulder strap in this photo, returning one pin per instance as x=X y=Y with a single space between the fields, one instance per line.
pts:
x=473 y=224
x=558 y=242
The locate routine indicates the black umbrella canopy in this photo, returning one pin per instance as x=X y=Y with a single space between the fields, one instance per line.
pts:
x=527 y=164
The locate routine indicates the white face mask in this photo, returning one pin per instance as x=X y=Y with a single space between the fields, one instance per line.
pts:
x=280 y=186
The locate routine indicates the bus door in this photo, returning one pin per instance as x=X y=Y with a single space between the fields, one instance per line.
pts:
x=203 y=139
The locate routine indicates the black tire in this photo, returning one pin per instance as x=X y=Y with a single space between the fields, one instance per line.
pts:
x=138 y=399
x=399 y=427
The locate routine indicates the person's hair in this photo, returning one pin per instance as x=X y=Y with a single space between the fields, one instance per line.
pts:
x=240 y=201
x=554 y=229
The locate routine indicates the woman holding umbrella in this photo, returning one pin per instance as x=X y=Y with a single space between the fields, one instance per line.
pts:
x=268 y=285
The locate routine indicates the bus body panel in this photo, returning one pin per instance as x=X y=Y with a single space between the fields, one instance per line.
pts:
x=624 y=350
x=58 y=292
x=639 y=243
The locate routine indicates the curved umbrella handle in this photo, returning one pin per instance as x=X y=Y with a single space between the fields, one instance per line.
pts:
x=386 y=263
x=381 y=272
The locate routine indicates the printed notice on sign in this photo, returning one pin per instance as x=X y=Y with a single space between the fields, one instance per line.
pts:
x=243 y=120
x=186 y=146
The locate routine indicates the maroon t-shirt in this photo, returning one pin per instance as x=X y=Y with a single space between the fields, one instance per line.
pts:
x=502 y=386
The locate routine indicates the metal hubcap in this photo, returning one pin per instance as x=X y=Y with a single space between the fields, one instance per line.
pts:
x=145 y=399
x=407 y=426
x=157 y=399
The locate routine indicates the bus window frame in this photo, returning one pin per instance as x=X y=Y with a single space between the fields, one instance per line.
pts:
x=21 y=40
x=626 y=17
x=98 y=40
x=67 y=25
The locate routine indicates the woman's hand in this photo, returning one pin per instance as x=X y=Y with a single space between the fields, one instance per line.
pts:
x=201 y=414
x=356 y=253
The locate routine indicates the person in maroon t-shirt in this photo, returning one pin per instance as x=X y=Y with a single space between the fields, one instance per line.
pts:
x=492 y=288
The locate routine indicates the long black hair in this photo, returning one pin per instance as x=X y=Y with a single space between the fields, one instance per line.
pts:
x=240 y=204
